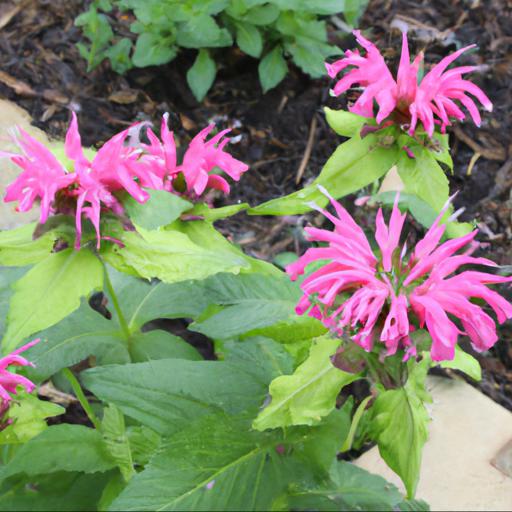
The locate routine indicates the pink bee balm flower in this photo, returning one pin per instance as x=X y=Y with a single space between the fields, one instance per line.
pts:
x=200 y=160
x=9 y=381
x=384 y=297
x=431 y=102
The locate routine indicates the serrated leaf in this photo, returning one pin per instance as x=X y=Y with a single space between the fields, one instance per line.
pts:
x=307 y=395
x=251 y=302
x=116 y=441
x=171 y=256
x=201 y=75
x=347 y=488
x=399 y=425
x=57 y=492
x=248 y=39
x=464 y=362
x=355 y=164
x=217 y=463
x=60 y=448
x=161 y=209
x=272 y=69
x=49 y=292
x=167 y=394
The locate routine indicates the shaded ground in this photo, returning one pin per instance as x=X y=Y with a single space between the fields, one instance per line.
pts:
x=41 y=70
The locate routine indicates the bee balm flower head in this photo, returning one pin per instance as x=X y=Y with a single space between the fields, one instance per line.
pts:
x=432 y=101
x=381 y=298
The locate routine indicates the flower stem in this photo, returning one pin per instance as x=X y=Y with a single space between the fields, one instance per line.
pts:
x=115 y=302
x=81 y=397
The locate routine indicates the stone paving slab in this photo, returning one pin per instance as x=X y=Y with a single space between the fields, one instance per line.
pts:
x=467 y=432
x=10 y=116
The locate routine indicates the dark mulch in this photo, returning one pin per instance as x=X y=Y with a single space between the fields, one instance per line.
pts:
x=41 y=70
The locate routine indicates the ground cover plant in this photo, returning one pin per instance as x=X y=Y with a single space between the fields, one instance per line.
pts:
x=266 y=30
x=125 y=241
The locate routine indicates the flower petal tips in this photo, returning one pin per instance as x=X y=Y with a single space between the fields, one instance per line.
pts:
x=384 y=297
x=432 y=101
x=10 y=381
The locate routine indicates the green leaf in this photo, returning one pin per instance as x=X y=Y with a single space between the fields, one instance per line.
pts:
x=158 y=344
x=251 y=302
x=111 y=491
x=202 y=31
x=413 y=506
x=214 y=214
x=355 y=164
x=262 y=14
x=119 y=55
x=57 y=492
x=442 y=152
x=294 y=330
x=8 y=275
x=143 y=443
x=309 y=54
x=272 y=69
x=249 y=39
x=18 y=248
x=151 y=49
x=400 y=425
x=172 y=257
x=116 y=441
x=307 y=395
x=423 y=177
x=465 y=363
x=49 y=292
x=201 y=75
x=346 y=123
x=347 y=488
x=161 y=209
x=27 y=415
x=60 y=448
x=167 y=394
x=353 y=10
x=217 y=463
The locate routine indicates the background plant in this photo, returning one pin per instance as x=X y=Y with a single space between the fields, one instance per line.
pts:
x=267 y=30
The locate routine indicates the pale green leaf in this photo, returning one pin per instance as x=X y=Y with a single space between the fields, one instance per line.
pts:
x=49 y=292
x=18 y=247
x=355 y=164
x=346 y=123
x=465 y=363
x=307 y=395
x=158 y=344
x=172 y=257
x=400 y=425
x=27 y=415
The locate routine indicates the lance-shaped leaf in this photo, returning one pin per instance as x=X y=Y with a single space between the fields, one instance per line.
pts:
x=60 y=448
x=355 y=164
x=250 y=302
x=307 y=395
x=216 y=463
x=464 y=362
x=49 y=292
x=167 y=394
x=399 y=425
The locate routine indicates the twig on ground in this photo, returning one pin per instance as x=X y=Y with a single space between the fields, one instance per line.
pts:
x=307 y=152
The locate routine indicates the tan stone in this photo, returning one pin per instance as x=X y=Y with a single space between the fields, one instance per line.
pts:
x=10 y=116
x=467 y=431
